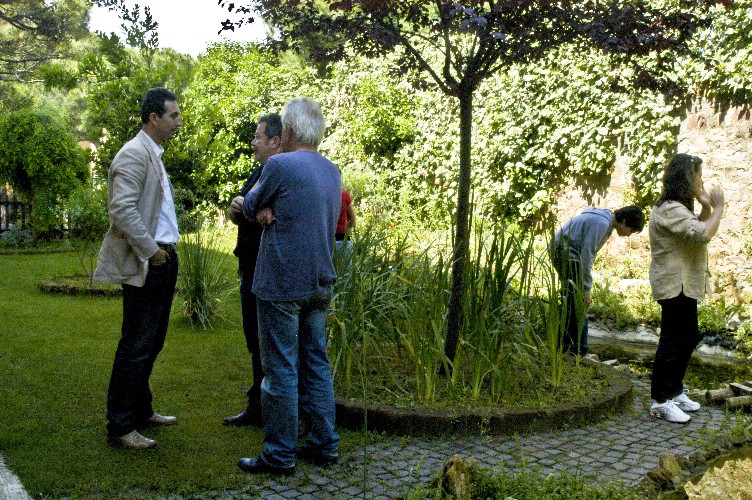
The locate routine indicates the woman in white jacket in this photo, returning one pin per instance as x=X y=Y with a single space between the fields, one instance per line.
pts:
x=679 y=278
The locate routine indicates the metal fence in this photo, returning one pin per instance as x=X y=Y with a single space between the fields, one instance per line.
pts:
x=13 y=213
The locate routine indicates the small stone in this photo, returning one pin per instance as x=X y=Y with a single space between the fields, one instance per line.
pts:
x=669 y=463
x=612 y=362
x=454 y=478
x=661 y=476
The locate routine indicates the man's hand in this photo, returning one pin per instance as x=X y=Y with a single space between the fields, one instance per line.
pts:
x=159 y=258
x=236 y=206
x=587 y=300
x=265 y=216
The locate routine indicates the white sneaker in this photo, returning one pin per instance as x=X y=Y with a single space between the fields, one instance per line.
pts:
x=686 y=404
x=669 y=411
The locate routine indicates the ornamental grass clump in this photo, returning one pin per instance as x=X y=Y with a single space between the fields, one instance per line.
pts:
x=388 y=319
x=204 y=274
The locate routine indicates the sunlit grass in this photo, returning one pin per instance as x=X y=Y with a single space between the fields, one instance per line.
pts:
x=55 y=363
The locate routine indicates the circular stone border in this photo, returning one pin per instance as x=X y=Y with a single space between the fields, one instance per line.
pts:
x=53 y=285
x=616 y=398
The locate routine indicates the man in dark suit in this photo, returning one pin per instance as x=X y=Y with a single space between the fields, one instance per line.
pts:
x=266 y=143
x=139 y=251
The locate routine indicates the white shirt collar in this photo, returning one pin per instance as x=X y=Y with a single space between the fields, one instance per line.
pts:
x=158 y=150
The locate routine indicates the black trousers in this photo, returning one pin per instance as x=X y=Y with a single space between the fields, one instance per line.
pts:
x=679 y=337
x=251 y=330
x=146 y=316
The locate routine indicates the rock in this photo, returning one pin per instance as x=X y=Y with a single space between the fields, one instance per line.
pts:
x=740 y=389
x=734 y=323
x=612 y=362
x=454 y=478
x=669 y=463
x=711 y=340
x=662 y=477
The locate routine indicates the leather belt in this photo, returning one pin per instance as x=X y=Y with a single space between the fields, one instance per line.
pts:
x=170 y=248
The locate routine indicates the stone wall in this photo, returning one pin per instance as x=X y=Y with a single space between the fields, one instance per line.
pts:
x=723 y=139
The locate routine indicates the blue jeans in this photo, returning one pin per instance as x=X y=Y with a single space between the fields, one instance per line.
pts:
x=292 y=337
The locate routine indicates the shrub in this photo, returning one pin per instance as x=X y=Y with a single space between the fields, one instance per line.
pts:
x=88 y=221
x=203 y=279
x=15 y=237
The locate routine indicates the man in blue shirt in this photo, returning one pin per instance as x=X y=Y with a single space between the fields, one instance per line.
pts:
x=573 y=252
x=297 y=199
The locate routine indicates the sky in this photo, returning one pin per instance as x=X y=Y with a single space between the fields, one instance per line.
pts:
x=187 y=26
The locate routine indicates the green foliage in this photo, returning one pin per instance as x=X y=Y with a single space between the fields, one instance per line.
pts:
x=88 y=221
x=389 y=310
x=87 y=212
x=633 y=307
x=233 y=85
x=203 y=280
x=15 y=237
x=531 y=485
x=36 y=31
x=40 y=159
x=713 y=316
x=117 y=79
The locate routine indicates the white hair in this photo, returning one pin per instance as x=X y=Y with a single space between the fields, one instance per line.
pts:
x=305 y=120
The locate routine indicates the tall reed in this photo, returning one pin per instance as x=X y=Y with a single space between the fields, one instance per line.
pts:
x=203 y=280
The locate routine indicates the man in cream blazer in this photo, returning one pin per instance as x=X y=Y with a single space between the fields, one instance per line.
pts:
x=139 y=251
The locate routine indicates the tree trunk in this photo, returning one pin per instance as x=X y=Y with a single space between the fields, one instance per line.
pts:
x=462 y=236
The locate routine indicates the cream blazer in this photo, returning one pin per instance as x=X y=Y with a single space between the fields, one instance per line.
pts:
x=135 y=200
x=679 y=253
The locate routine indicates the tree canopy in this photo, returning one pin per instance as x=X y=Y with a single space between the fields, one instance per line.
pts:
x=35 y=32
x=41 y=160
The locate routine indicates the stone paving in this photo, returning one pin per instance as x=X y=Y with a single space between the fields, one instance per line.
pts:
x=10 y=486
x=622 y=448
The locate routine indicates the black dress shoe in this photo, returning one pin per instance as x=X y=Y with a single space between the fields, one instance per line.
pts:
x=315 y=456
x=258 y=466
x=249 y=416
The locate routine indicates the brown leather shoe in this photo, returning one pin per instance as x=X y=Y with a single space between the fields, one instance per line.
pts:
x=157 y=419
x=249 y=416
x=134 y=440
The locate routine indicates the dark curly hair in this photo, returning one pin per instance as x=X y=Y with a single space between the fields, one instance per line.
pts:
x=677 y=180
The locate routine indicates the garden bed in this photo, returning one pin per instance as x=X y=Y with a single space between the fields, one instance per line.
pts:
x=613 y=395
x=79 y=284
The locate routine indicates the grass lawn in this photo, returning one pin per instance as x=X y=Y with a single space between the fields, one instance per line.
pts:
x=55 y=359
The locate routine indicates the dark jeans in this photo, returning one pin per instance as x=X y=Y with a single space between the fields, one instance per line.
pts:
x=679 y=337
x=146 y=315
x=575 y=337
x=250 y=328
